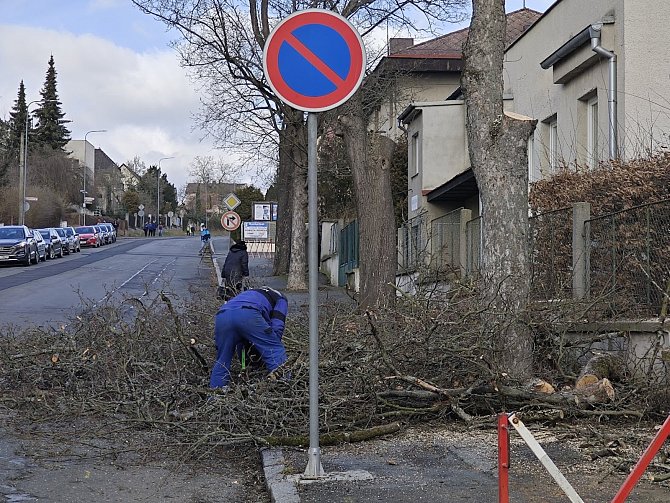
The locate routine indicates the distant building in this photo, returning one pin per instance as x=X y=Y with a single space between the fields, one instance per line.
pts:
x=129 y=178
x=211 y=195
x=108 y=184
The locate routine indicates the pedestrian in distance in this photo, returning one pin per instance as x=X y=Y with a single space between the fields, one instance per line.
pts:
x=254 y=319
x=192 y=230
x=160 y=230
x=146 y=229
x=235 y=269
x=205 y=236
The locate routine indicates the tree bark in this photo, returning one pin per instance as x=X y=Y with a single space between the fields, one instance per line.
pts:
x=284 y=202
x=297 y=272
x=370 y=157
x=498 y=155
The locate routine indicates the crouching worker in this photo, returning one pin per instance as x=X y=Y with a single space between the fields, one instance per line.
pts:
x=254 y=317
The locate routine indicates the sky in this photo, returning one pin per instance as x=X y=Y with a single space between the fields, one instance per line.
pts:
x=115 y=71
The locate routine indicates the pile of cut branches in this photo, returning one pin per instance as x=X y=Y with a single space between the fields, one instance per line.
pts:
x=136 y=366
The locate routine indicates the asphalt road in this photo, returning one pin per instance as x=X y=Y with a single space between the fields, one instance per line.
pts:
x=49 y=293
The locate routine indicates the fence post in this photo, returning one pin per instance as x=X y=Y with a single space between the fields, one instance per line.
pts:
x=581 y=213
x=465 y=217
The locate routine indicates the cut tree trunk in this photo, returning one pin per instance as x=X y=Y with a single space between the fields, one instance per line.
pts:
x=498 y=155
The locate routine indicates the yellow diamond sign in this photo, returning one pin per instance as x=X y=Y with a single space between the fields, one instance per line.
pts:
x=232 y=201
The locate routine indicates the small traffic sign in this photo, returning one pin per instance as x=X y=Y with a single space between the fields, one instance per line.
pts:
x=232 y=201
x=140 y=213
x=314 y=60
x=170 y=214
x=141 y=206
x=230 y=220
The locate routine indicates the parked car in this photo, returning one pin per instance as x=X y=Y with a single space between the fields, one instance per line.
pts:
x=89 y=235
x=41 y=245
x=53 y=242
x=104 y=234
x=74 y=236
x=68 y=245
x=110 y=230
x=17 y=244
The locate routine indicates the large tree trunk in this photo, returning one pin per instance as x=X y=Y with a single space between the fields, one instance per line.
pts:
x=370 y=157
x=498 y=155
x=284 y=202
x=297 y=272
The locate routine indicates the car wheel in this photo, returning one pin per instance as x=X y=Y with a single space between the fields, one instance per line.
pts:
x=60 y=254
x=37 y=256
x=44 y=258
x=28 y=260
x=51 y=253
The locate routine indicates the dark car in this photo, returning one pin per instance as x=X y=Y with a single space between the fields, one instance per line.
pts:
x=73 y=235
x=89 y=236
x=17 y=244
x=41 y=245
x=53 y=242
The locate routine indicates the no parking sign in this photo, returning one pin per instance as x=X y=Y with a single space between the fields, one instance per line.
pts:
x=314 y=60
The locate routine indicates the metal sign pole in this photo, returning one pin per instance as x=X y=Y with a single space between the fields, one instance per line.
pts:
x=314 y=468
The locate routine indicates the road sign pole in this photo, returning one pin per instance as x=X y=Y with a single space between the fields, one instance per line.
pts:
x=314 y=468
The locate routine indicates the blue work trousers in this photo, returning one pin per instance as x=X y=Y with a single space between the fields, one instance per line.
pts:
x=233 y=327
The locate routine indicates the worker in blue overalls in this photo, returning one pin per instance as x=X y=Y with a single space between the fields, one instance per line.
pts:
x=253 y=318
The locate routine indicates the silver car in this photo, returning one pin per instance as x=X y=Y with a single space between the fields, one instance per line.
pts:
x=73 y=235
x=67 y=243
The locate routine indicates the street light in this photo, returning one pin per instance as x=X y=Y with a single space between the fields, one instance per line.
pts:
x=83 y=191
x=158 y=190
x=23 y=175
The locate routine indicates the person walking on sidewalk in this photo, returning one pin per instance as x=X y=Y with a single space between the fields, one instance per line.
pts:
x=205 y=236
x=235 y=269
x=253 y=318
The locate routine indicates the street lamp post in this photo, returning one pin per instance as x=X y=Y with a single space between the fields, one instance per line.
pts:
x=83 y=191
x=158 y=190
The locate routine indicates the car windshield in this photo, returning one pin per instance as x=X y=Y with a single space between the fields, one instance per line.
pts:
x=85 y=230
x=69 y=231
x=45 y=233
x=10 y=233
x=61 y=232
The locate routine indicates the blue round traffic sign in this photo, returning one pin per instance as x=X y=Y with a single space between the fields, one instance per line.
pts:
x=314 y=60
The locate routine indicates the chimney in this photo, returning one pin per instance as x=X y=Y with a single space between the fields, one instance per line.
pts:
x=400 y=44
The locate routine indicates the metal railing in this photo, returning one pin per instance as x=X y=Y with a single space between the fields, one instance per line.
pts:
x=412 y=243
x=473 y=236
x=445 y=241
x=551 y=254
x=629 y=257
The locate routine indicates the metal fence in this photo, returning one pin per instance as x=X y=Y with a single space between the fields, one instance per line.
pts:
x=473 y=236
x=551 y=254
x=445 y=241
x=629 y=259
x=412 y=243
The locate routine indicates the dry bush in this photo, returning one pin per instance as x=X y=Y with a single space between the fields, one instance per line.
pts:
x=145 y=367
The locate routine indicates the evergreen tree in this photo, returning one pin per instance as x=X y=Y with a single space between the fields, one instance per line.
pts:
x=17 y=122
x=51 y=131
x=5 y=158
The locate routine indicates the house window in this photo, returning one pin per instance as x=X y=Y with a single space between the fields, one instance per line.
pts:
x=592 y=132
x=553 y=145
x=415 y=153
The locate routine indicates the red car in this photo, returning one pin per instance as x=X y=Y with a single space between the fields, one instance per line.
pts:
x=89 y=236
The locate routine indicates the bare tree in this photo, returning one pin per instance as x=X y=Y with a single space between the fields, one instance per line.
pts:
x=222 y=46
x=498 y=154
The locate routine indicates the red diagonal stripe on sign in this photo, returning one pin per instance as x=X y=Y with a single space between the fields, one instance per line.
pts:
x=314 y=60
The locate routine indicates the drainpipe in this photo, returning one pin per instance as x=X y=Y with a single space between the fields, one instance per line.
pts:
x=595 y=32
